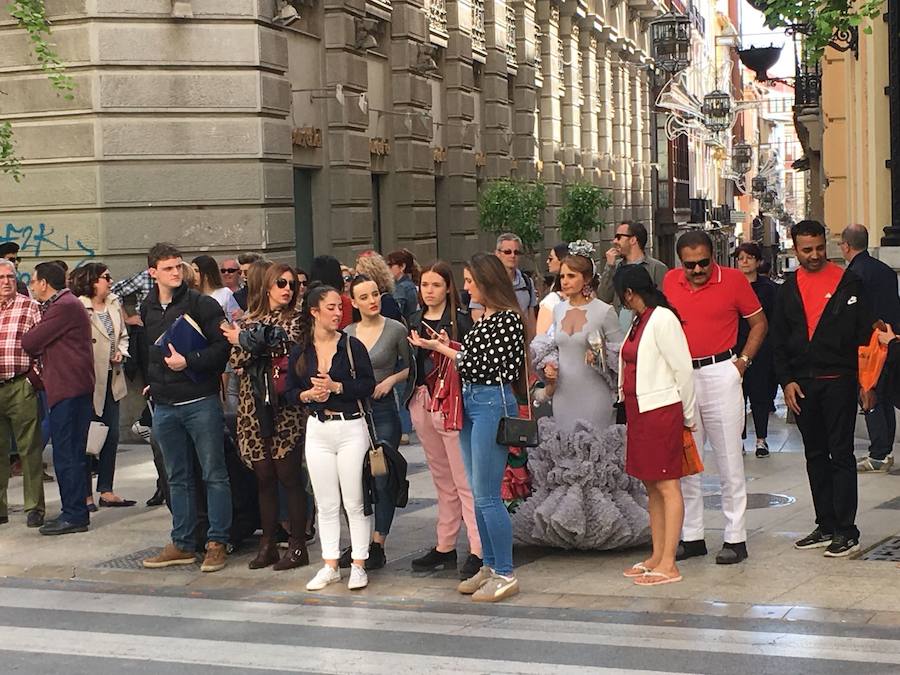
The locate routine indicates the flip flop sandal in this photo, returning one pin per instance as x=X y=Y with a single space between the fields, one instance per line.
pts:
x=659 y=578
x=637 y=570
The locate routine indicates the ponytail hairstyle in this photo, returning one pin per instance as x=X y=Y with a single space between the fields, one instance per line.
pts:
x=636 y=279
x=407 y=261
x=444 y=271
x=317 y=290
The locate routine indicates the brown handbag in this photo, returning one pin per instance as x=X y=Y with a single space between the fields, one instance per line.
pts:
x=377 y=460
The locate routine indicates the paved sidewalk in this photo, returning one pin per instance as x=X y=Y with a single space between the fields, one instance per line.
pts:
x=777 y=581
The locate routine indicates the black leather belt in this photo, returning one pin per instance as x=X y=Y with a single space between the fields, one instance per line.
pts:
x=709 y=360
x=13 y=378
x=323 y=416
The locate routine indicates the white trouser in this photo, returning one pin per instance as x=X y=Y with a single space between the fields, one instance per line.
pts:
x=334 y=456
x=720 y=419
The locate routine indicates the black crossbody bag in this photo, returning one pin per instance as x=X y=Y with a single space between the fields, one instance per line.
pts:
x=517 y=432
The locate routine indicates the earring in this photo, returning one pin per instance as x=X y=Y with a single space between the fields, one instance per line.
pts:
x=586 y=290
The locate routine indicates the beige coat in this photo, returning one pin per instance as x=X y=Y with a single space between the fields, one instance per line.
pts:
x=100 y=340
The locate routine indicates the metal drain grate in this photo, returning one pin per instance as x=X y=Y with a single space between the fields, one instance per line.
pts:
x=888 y=550
x=134 y=561
x=755 y=500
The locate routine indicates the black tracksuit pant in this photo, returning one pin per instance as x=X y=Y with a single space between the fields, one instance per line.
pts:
x=826 y=421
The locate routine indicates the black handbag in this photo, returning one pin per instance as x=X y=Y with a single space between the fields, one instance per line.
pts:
x=518 y=432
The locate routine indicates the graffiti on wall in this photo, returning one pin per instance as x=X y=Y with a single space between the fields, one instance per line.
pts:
x=40 y=241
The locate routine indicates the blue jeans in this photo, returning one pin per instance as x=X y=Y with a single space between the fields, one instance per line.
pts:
x=106 y=470
x=181 y=430
x=387 y=428
x=485 y=463
x=881 y=422
x=70 y=420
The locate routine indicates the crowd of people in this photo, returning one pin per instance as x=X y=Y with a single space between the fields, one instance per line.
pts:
x=316 y=379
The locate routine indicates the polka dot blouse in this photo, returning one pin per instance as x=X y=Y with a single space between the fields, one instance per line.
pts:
x=493 y=351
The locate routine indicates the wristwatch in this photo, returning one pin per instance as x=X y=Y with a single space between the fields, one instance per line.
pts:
x=746 y=359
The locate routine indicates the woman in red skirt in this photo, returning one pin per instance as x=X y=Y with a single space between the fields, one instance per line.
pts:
x=657 y=388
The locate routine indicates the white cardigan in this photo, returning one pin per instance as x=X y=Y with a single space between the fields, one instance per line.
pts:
x=665 y=374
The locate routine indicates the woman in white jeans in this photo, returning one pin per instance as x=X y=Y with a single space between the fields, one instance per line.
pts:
x=320 y=376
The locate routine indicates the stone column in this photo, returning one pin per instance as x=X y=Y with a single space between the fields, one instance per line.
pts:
x=637 y=145
x=498 y=134
x=349 y=177
x=461 y=130
x=571 y=103
x=605 y=114
x=412 y=183
x=525 y=150
x=627 y=131
x=590 y=127
x=551 y=110
x=618 y=134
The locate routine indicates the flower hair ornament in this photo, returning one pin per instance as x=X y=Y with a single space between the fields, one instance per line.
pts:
x=585 y=249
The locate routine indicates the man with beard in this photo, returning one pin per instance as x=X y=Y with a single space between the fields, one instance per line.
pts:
x=821 y=318
x=710 y=300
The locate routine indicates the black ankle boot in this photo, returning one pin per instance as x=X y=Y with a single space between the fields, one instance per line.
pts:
x=295 y=556
x=267 y=554
x=158 y=499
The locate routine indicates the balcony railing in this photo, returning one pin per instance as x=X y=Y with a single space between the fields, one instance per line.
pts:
x=510 y=35
x=437 y=16
x=538 y=52
x=808 y=85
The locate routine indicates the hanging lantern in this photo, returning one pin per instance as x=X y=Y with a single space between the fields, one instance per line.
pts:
x=717 y=111
x=671 y=38
x=741 y=157
x=768 y=200
x=758 y=186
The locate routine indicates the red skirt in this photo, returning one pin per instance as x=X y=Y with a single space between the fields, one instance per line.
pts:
x=653 y=441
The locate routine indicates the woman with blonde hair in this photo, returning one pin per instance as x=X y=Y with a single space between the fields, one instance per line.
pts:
x=373 y=266
x=269 y=426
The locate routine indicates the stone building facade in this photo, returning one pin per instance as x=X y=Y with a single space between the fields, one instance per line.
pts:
x=318 y=125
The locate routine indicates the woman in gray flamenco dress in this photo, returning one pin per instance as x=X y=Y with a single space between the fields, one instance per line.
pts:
x=581 y=496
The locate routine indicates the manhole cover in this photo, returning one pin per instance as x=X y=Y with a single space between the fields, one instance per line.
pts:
x=134 y=561
x=755 y=500
x=889 y=550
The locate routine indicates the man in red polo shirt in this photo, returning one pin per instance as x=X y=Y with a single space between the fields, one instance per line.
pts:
x=710 y=300
x=821 y=318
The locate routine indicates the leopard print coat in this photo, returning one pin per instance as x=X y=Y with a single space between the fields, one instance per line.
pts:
x=290 y=421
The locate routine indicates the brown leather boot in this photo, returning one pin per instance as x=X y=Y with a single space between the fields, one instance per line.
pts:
x=267 y=554
x=295 y=556
x=215 y=557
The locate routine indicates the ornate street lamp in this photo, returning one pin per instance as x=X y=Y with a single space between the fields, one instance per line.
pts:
x=758 y=186
x=717 y=111
x=671 y=38
x=741 y=157
x=767 y=203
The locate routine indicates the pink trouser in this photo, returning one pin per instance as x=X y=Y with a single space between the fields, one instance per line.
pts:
x=454 y=496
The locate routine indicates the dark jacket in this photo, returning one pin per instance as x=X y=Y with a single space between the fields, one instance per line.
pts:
x=62 y=340
x=846 y=324
x=166 y=385
x=767 y=292
x=880 y=284
x=463 y=326
x=354 y=389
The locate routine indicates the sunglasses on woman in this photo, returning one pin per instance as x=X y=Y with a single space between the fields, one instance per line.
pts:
x=284 y=283
x=107 y=277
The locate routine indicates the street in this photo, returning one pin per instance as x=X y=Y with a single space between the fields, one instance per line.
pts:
x=91 y=629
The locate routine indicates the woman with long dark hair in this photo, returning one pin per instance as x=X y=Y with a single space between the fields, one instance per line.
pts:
x=656 y=384
x=554 y=296
x=492 y=365
x=328 y=271
x=331 y=374
x=209 y=282
x=441 y=313
x=91 y=283
x=269 y=428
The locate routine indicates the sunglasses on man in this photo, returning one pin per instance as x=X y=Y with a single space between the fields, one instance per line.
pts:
x=284 y=283
x=691 y=264
x=622 y=235
x=229 y=270
x=509 y=251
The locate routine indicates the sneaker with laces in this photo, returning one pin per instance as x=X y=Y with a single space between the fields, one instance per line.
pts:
x=497 y=588
x=170 y=555
x=324 y=577
x=214 y=560
x=762 y=448
x=358 y=578
x=872 y=465
x=141 y=430
x=815 y=539
x=476 y=581
x=842 y=546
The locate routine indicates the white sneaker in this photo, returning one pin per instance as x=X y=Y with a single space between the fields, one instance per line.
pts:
x=324 y=577
x=139 y=429
x=358 y=578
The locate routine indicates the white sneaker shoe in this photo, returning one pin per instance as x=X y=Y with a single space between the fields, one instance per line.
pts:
x=324 y=577
x=358 y=578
